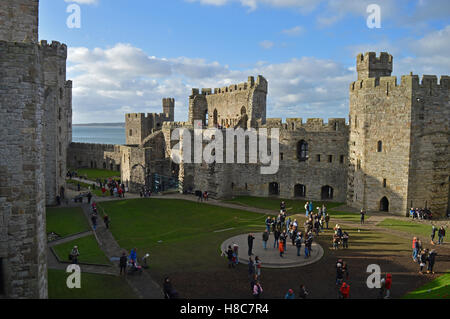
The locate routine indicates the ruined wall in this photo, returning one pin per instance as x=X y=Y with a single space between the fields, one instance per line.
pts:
x=22 y=191
x=19 y=20
x=229 y=105
x=85 y=155
x=139 y=126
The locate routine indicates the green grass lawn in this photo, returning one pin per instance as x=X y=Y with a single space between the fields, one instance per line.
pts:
x=292 y=205
x=66 y=221
x=415 y=229
x=346 y=216
x=94 y=173
x=85 y=187
x=436 y=289
x=89 y=251
x=93 y=286
x=174 y=231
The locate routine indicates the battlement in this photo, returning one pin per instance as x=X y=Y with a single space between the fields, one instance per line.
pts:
x=407 y=81
x=168 y=100
x=292 y=124
x=55 y=48
x=260 y=84
x=68 y=84
x=370 y=65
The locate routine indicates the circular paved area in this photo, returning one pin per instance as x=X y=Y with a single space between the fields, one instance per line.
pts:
x=270 y=258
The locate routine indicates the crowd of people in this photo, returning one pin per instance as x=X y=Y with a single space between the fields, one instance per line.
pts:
x=425 y=257
x=422 y=213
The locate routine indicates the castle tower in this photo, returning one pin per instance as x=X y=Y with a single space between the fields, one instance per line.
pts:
x=371 y=66
x=23 y=239
x=169 y=109
x=398 y=154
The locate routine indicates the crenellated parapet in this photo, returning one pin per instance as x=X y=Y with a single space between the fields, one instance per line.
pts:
x=369 y=65
x=54 y=49
x=260 y=84
x=311 y=124
x=407 y=82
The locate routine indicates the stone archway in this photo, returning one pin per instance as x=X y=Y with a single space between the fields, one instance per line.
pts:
x=327 y=193
x=274 y=189
x=384 y=204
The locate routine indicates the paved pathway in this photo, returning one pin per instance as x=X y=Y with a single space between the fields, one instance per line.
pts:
x=143 y=284
x=270 y=257
x=69 y=238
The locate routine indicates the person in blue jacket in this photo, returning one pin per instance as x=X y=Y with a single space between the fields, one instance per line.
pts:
x=290 y=294
x=133 y=255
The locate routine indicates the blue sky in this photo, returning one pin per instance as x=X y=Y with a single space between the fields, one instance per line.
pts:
x=128 y=55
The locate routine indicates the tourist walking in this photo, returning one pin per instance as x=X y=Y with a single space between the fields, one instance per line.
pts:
x=257 y=290
x=345 y=237
x=431 y=260
x=423 y=260
x=268 y=223
x=327 y=219
x=363 y=213
x=123 y=263
x=298 y=244
x=441 y=235
x=258 y=265
x=345 y=291
x=265 y=238
x=433 y=233
x=303 y=294
x=290 y=294
x=281 y=249
x=388 y=285
x=106 y=221
x=235 y=254
x=251 y=268
x=169 y=291
x=133 y=255
x=229 y=255
x=250 y=240
x=276 y=235
x=94 y=221
x=74 y=255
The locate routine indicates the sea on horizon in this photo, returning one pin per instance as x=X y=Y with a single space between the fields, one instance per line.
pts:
x=98 y=134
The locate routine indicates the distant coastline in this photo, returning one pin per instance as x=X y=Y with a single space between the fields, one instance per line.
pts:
x=101 y=124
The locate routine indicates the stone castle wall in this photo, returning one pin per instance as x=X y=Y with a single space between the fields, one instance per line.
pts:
x=86 y=155
x=399 y=141
x=22 y=193
x=58 y=118
x=19 y=20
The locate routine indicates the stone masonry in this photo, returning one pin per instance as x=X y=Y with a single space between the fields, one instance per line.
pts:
x=35 y=125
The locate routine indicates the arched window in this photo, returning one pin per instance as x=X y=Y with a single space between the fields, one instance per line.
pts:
x=327 y=192
x=274 y=189
x=302 y=151
x=380 y=146
x=299 y=190
x=215 y=117
x=205 y=118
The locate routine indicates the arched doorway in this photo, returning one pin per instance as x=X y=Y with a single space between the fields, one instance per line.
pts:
x=384 y=204
x=327 y=192
x=274 y=189
x=299 y=190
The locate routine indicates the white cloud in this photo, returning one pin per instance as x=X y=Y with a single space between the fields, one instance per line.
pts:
x=295 y=31
x=109 y=82
x=266 y=44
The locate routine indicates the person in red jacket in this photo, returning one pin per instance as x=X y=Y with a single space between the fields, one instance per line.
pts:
x=388 y=285
x=345 y=291
x=281 y=248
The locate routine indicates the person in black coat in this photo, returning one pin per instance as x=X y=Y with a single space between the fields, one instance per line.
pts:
x=250 y=240
x=123 y=263
x=431 y=260
x=169 y=291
